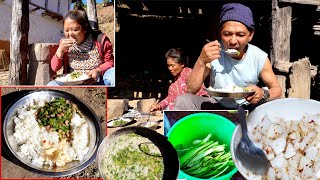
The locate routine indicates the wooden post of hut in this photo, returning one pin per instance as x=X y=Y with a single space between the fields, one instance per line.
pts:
x=92 y=14
x=297 y=74
x=280 y=51
x=19 y=42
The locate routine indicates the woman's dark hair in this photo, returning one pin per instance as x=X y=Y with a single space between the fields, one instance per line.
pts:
x=79 y=14
x=177 y=54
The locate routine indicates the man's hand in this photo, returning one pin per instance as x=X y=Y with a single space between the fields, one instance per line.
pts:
x=200 y=71
x=210 y=52
x=255 y=97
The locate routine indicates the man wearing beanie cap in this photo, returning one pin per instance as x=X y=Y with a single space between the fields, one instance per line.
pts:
x=230 y=62
x=237 y=12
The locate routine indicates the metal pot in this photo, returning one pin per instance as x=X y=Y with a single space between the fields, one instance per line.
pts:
x=11 y=148
x=169 y=154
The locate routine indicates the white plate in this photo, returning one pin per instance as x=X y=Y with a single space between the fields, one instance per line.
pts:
x=65 y=79
x=289 y=109
x=112 y=122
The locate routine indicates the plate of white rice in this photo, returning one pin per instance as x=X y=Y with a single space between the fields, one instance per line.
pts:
x=49 y=148
x=231 y=96
x=74 y=78
x=231 y=92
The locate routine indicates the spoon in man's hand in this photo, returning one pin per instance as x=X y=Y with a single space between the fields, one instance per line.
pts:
x=230 y=52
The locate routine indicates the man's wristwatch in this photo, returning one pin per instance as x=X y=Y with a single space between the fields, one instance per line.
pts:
x=266 y=95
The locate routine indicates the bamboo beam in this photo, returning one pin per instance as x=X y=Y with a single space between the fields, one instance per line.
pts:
x=92 y=14
x=19 y=43
x=310 y=2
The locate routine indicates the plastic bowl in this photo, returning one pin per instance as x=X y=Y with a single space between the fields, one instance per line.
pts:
x=198 y=126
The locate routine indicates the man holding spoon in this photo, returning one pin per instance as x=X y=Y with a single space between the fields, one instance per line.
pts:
x=232 y=61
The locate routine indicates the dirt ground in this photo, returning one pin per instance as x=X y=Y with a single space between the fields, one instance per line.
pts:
x=106 y=21
x=93 y=97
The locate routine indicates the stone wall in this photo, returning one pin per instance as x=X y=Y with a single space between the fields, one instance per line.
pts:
x=39 y=71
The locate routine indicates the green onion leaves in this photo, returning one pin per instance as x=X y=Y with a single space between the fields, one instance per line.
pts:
x=55 y=115
x=204 y=158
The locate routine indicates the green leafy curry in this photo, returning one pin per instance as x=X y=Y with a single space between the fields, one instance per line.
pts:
x=125 y=160
x=75 y=75
x=56 y=115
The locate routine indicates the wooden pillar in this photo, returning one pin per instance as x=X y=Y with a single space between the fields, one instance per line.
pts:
x=300 y=79
x=19 y=42
x=282 y=82
x=281 y=32
x=92 y=14
x=280 y=48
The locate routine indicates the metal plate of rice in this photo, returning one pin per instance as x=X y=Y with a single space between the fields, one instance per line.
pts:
x=13 y=150
x=230 y=94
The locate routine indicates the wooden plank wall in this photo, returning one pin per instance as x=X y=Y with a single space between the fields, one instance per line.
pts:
x=309 y=2
x=294 y=76
x=300 y=73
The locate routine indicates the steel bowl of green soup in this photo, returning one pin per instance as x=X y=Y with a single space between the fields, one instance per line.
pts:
x=137 y=153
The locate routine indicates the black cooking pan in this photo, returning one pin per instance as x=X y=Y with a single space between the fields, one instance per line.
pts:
x=169 y=154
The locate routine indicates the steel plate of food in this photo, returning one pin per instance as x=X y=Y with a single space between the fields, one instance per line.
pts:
x=51 y=133
x=230 y=97
x=231 y=92
x=119 y=122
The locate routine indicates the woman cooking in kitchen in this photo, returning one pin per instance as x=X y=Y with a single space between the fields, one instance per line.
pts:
x=84 y=50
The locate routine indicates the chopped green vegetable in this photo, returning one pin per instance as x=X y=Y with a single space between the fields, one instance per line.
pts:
x=75 y=75
x=204 y=158
x=56 y=116
x=119 y=122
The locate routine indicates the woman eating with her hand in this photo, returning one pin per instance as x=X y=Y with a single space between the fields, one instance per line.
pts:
x=84 y=50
